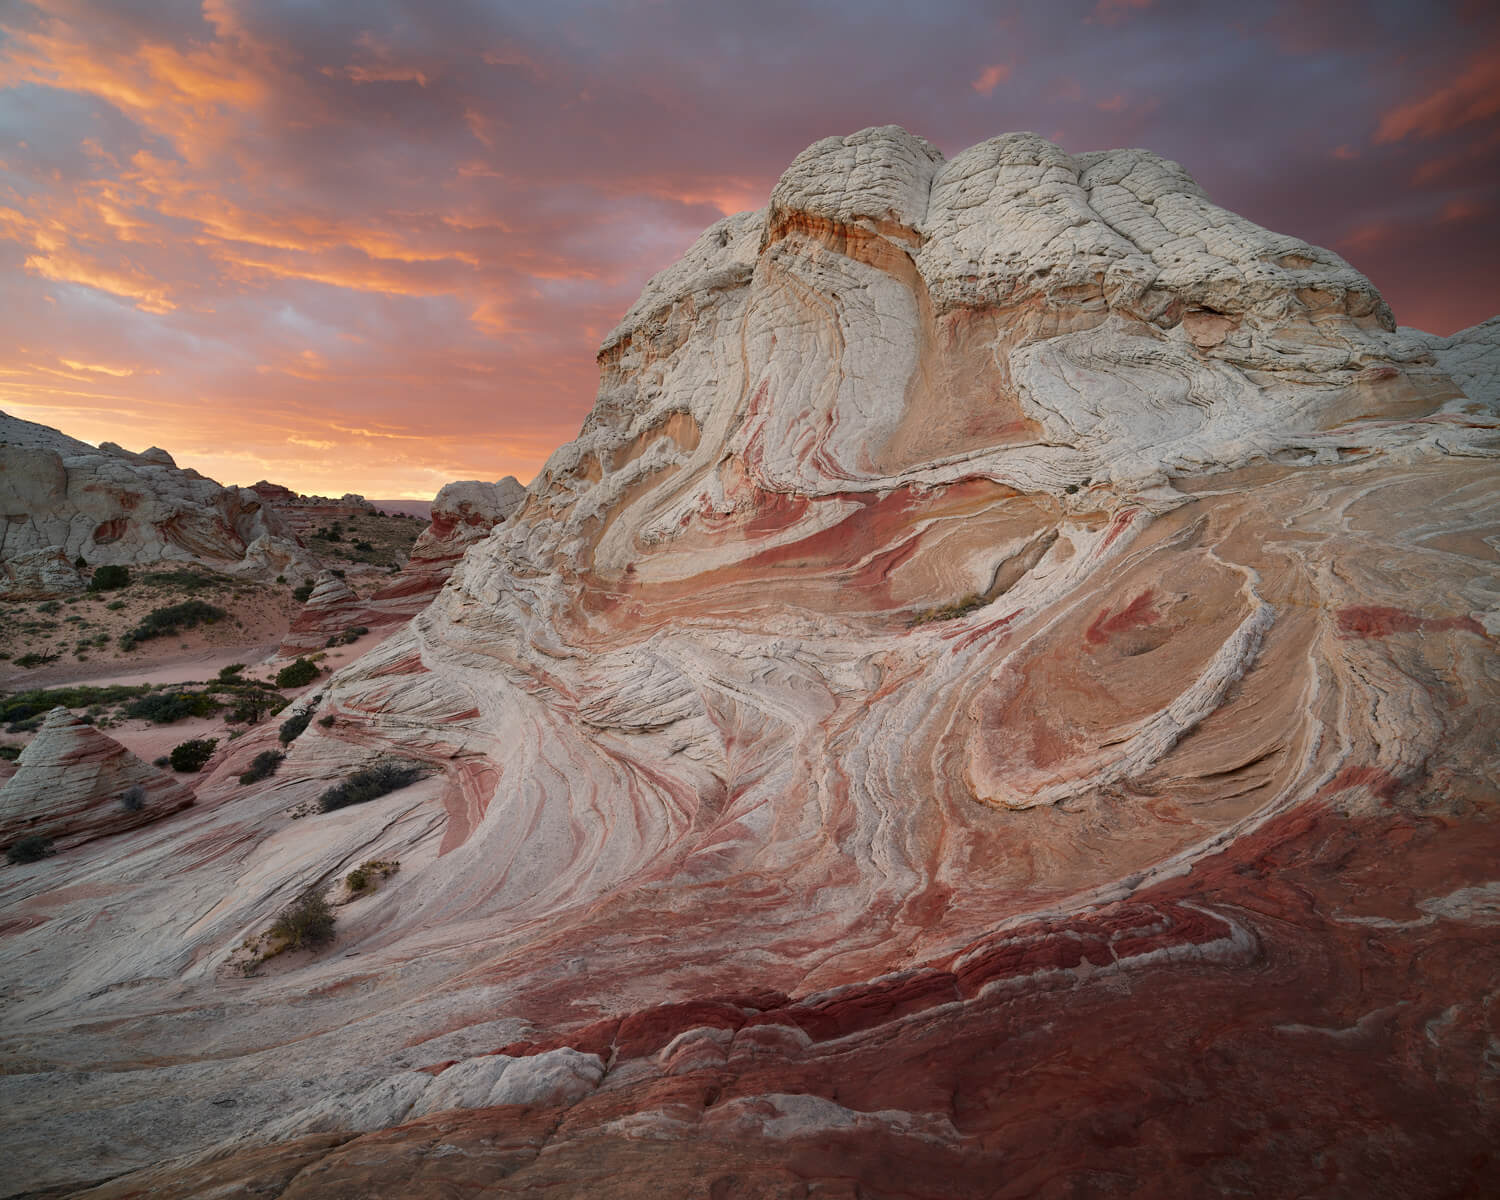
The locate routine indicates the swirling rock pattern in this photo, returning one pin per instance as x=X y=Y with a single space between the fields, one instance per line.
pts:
x=998 y=700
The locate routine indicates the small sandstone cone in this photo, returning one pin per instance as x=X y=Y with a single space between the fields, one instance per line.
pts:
x=71 y=783
x=332 y=607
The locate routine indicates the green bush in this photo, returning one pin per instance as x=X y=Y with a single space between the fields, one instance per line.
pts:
x=189 y=757
x=327 y=722
x=40 y=701
x=35 y=660
x=370 y=783
x=108 y=578
x=10 y=753
x=291 y=729
x=80 y=562
x=50 y=607
x=133 y=798
x=32 y=848
x=302 y=591
x=297 y=674
x=306 y=922
x=231 y=672
x=163 y=708
x=262 y=766
x=170 y=621
x=115 y=605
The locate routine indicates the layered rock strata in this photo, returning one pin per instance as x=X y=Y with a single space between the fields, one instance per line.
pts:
x=73 y=783
x=997 y=700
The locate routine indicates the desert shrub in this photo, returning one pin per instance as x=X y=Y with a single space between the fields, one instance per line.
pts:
x=363 y=877
x=115 y=605
x=370 y=783
x=184 y=579
x=35 y=660
x=50 y=607
x=40 y=701
x=109 y=577
x=80 y=562
x=32 y=848
x=306 y=922
x=365 y=546
x=262 y=766
x=297 y=674
x=301 y=592
x=189 y=757
x=948 y=612
x=133 y=798
x=161 y=760
x=170 y=621
x=230 y=672
x=291 y=729
x=163 y=708
x=10 y=753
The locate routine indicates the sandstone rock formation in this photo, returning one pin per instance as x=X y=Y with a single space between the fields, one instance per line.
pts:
x=462 y=513
x=72 y=784
x=306 y=514
x=111 y=506
x=39 y=575
x=998 y=700
x=331 y=608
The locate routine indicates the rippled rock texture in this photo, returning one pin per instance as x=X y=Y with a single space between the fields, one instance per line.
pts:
x=998 y=700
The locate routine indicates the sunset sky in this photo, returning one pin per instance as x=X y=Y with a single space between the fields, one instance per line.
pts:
x=373 y=246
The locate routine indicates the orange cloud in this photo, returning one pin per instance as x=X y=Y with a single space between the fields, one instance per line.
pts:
x=1345 y=153
x=65 y=267
x=1473 y=96
x=990 y=77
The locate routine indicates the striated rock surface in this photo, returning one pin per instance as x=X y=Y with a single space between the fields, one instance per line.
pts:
x=331 y=608
x=71 y=784
x=998 y=700
x=109 y=505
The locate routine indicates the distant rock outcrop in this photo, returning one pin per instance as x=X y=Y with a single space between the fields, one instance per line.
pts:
x=110 y=506
x=39 y=575
x=74 y=783
x=462 y=513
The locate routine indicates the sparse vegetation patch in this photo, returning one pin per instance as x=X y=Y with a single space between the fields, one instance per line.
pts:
x=30 y=849
x=189 y=757
x=109 y=577
x=297 y=674
x=262 y=766
x=370 y=783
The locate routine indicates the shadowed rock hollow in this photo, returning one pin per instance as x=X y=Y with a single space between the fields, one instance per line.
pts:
x=997 y=700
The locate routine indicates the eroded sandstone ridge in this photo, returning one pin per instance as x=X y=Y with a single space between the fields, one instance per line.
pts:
x=998 y=700
x=60 y=497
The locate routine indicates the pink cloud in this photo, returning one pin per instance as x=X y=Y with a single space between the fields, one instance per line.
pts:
x=990 y=77
x=1473 y=96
